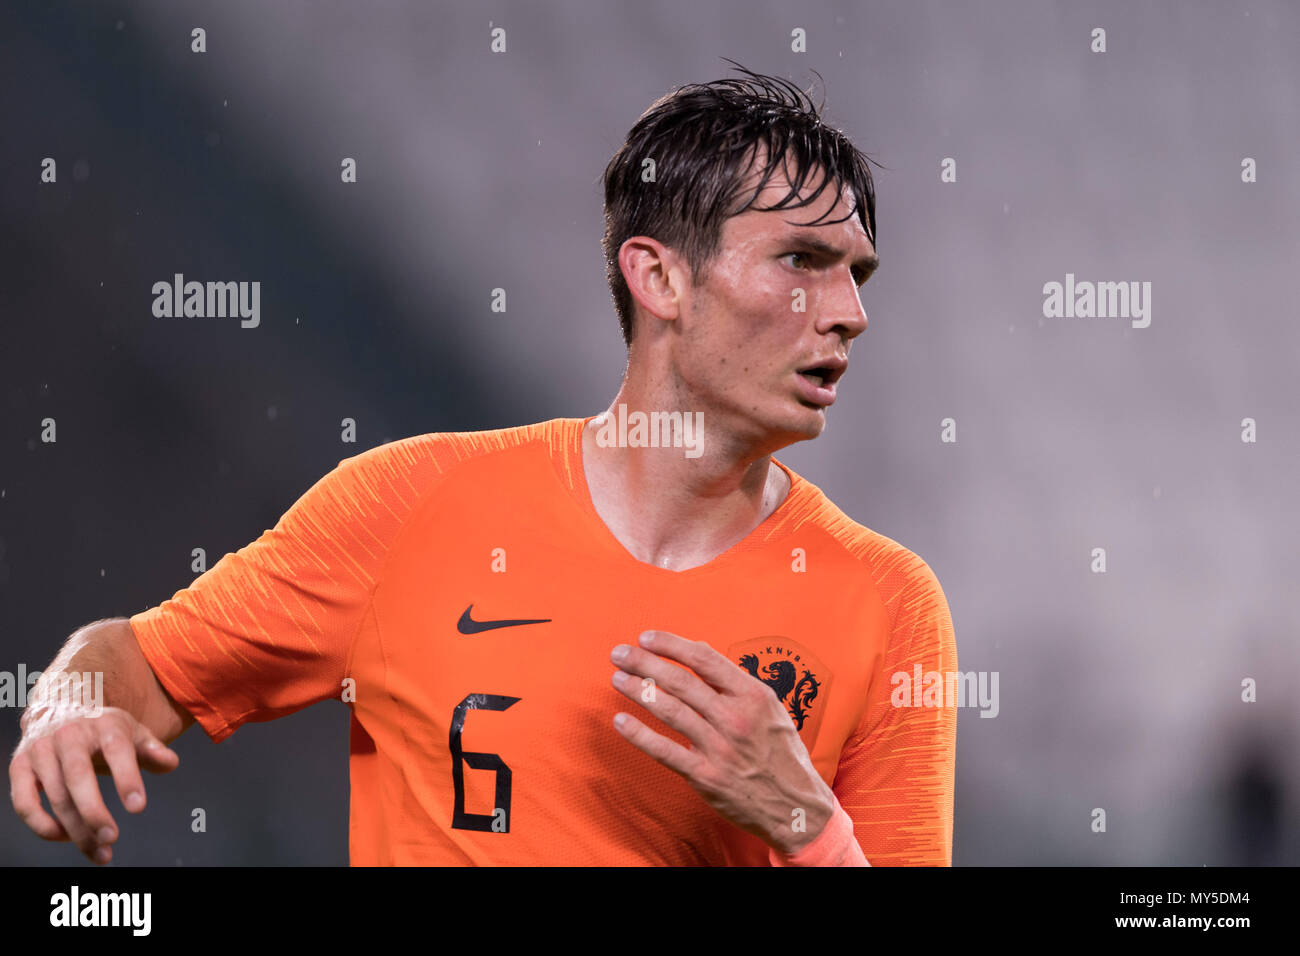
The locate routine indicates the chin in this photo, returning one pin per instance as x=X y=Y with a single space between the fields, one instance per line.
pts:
x=802 y=423
x=813 y=421
x=778 y=424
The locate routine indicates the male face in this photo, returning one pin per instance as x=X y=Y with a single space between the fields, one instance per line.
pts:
x=763 y=370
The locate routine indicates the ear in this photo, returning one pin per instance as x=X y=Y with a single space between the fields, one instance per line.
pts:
x=655 y=275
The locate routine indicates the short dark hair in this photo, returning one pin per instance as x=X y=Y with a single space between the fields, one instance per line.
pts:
x=703 y=139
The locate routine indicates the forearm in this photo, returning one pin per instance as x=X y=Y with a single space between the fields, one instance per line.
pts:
x=104 y=655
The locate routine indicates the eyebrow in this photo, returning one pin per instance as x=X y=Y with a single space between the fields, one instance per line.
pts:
x=867 y=265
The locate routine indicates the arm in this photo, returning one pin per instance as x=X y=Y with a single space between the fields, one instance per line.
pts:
x=264 y=632
x=65 y=741
x=896 y=774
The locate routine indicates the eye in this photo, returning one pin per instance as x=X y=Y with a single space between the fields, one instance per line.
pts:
x=802 y=255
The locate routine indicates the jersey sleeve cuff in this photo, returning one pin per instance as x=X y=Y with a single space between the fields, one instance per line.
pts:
x=834 y=846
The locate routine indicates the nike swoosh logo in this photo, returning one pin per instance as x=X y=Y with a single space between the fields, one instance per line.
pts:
x=467 y=625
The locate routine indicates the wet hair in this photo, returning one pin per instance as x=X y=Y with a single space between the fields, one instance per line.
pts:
x=704 y=139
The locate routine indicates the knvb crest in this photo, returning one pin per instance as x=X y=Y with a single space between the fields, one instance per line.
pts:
x=798 y=679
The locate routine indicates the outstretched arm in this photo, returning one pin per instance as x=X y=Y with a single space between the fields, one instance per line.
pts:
x=69 y=737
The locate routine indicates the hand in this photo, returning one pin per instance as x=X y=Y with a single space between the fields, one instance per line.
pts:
x=60 y=753
x=747 y=760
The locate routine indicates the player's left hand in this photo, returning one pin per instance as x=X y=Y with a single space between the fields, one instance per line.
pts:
x=747 y=760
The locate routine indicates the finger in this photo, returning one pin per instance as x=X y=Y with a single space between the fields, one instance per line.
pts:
x=669 y=753
x=83 y=785
x=155 y=756
x=678 y=681
x=668 y=708
x=26 y=798
x=717 y=670
x=119 y=754
x=49 y=772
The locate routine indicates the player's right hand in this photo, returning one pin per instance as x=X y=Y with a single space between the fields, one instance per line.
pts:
x=60 y=753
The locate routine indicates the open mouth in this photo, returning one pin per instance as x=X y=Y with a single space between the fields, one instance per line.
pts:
x=824 y=375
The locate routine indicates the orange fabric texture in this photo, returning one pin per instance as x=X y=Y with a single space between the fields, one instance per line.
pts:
x=495 y=746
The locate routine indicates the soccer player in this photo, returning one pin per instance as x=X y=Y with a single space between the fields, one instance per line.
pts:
x=633 y=638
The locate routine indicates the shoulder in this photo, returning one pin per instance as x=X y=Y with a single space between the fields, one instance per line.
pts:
x=383 y=486
x=895 y=569
x=433 y=454
x=914 y=606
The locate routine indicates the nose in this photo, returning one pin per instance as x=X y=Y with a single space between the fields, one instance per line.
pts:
x=841 y=310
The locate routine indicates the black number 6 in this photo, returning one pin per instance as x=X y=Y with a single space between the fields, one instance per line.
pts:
x=460 y=820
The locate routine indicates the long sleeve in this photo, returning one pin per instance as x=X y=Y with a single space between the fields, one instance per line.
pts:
x=896 y=774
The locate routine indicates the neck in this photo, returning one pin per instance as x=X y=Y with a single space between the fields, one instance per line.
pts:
x=677 y=507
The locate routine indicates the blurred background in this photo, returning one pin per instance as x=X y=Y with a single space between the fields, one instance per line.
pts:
x=476 y=169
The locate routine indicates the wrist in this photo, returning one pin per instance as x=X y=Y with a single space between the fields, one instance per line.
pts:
x=835 y=845
x=790 y=841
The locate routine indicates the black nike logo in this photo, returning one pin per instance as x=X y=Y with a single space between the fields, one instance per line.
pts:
x=467 y=625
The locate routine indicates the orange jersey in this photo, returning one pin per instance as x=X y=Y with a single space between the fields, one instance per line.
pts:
x=461 y=595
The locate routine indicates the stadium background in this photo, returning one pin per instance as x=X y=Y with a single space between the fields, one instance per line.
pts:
x=477 y=170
